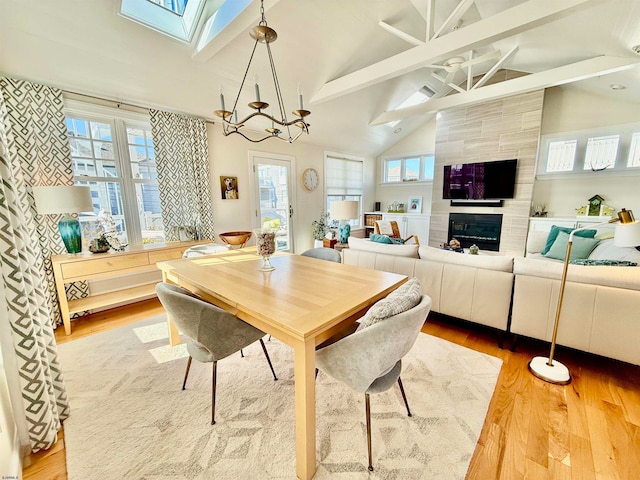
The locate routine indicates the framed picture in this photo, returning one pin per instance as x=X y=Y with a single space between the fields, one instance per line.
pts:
x=415 y=205
x=229 y=188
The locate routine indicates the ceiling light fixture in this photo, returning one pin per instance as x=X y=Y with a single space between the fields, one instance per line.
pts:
x=617 y=86
x=264 y=34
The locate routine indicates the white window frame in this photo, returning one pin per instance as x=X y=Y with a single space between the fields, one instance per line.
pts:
x=118 y=120
x=351 y=194
x=423 y=177
x=580 y=168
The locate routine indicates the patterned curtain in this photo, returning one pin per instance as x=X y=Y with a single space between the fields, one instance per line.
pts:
x=31 y=149
x=182 y=160
x=42 y=149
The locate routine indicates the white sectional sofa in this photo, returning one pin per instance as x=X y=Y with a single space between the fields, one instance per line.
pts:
x=471 y=287
x=601 y=305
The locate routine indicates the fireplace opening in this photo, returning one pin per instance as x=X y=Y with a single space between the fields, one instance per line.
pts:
x=481 y=229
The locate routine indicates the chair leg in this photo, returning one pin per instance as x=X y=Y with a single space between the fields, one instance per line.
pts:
x=266 y=354
x=186 y=374
x=241 y=353
x=367 y=410
x=404 y=397
x=213 y=393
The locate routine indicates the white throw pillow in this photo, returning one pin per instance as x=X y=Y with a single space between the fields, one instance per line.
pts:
x=606 y=250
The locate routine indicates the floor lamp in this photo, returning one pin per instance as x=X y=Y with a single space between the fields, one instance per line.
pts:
x=63 y=199
x=627 y=234
x=345 y=210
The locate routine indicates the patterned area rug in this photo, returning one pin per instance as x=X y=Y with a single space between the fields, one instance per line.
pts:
x=130 y=418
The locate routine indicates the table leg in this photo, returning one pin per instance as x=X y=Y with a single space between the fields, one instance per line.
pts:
x=305 y=393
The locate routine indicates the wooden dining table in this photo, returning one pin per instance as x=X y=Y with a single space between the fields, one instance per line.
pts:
x=303 y=302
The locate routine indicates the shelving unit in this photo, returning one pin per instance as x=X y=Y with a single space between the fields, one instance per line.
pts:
x=87 y=266
x=370 y=219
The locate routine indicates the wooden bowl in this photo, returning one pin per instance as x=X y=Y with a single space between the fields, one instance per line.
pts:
x=235 y=238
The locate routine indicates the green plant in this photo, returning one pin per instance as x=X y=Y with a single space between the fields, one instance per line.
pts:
x=320 y=226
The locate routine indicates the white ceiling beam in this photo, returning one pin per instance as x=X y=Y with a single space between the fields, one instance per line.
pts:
x=512 y=21
x=469 y=71
x=597 y=66
x=444 y=80
x=400 y=34
x=456 y=15
x=429 y=17
x=492 y=71
x=240 y=25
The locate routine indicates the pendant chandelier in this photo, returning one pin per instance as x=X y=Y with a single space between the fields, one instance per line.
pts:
x=264 y=34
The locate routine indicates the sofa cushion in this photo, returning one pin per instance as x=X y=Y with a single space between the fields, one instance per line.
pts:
x=581 y=247
x=553 y=233
x=400 y=300
x=406 y=250
x=502 y=263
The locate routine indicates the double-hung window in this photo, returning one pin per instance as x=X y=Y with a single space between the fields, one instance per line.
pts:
x=112 y=153
x=344 y=180
x=409 y=168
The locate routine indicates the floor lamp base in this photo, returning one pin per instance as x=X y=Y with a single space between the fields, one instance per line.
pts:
x=555 y=373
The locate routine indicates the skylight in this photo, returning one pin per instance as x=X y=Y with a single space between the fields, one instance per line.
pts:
x=176 y=18
x=421 y=96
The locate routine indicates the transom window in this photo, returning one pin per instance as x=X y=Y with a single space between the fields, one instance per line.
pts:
x=409 y=168
x=113 y=154
x=614 y=148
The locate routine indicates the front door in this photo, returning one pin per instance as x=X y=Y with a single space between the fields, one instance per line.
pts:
x=273 y=203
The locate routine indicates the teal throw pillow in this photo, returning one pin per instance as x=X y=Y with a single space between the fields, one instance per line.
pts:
x=375 y=237
x=553 y=233
x=581 y=248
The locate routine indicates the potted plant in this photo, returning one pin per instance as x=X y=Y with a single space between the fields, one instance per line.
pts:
x=320 y=228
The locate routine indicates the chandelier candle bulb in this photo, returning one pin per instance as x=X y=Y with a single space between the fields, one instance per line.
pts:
x=300 y=97
x=255 y=80
x=221 y=99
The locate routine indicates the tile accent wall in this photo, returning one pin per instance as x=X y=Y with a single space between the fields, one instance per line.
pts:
x=496 y=130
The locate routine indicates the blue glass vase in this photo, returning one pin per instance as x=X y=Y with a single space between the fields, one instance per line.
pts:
x=71 y=233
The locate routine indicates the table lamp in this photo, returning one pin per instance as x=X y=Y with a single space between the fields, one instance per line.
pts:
x=62 y=199
x=345 y=210
x=627 y=234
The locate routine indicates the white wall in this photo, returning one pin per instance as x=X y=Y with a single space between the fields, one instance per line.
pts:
x=10 y=461
x=568 y=109
x=230 y=156
x=422 y=141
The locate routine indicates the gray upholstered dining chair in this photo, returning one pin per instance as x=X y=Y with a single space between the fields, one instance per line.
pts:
x=212 y=334
x=324 y=254
x=370 y=359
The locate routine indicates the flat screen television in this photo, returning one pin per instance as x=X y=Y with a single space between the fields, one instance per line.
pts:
x=480 y=181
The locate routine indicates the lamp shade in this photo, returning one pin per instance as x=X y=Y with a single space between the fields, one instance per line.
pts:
x=627 y=234
x=57 y=199
x=345 y=209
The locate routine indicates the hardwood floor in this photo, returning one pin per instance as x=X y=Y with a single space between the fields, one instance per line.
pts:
x=589 y=429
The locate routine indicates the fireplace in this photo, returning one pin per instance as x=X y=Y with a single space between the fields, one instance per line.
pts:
x=481 y=229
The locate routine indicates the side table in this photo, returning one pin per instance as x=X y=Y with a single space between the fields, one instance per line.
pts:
x=340 y=246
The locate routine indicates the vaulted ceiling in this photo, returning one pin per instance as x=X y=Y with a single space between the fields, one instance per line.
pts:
x=355 y=60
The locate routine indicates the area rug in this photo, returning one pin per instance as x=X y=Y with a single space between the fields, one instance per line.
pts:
x=130 y=419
